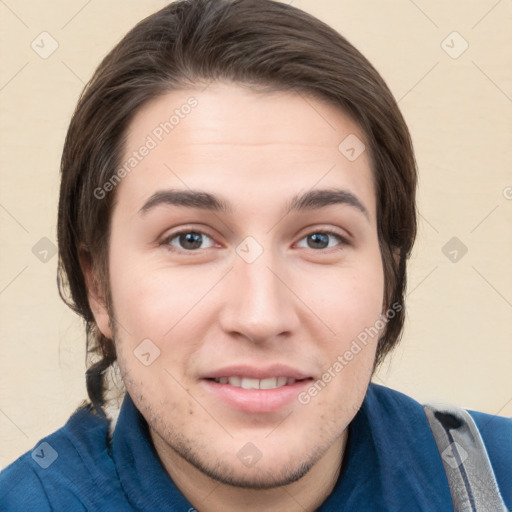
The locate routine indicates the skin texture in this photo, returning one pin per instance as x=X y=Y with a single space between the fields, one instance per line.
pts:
x=206 y=308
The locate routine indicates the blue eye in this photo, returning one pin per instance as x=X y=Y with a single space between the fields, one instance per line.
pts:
x=189 y=240
x=192 y=241
x=322 y=240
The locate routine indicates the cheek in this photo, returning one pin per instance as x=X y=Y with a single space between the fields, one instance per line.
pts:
x=166 y=306
x=350 y=303
x=151 y=300
x=353 y=312
x=347 y=300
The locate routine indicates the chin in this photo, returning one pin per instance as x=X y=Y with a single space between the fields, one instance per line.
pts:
x=260 y=476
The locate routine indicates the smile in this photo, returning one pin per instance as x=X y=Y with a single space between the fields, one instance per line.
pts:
x=251 y=383
x=247 y=389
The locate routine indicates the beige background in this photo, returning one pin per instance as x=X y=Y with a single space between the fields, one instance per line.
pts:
x=457 y=345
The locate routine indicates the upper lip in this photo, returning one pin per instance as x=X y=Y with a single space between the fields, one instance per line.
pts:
x=253 y=372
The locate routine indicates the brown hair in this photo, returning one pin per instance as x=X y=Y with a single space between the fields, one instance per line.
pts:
x=260 y=43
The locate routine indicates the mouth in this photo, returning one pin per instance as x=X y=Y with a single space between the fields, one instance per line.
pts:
x=252 y=390
x=251 y=383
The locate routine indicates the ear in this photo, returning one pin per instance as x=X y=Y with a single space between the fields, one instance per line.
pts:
x=95 y=296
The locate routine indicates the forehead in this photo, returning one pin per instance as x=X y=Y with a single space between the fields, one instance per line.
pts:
x=232 y=140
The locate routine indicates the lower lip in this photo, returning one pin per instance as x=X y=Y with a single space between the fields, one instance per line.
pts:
x=256 y=400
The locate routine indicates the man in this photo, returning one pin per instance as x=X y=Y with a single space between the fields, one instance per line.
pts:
x=236 y=212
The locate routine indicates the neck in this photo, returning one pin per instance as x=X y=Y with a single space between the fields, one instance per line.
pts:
x=209 y=495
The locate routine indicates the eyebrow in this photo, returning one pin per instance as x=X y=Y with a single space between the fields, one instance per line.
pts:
x=189 y=198
x=316 y=199
x=311 y=200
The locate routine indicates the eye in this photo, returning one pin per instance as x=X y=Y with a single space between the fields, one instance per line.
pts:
x=322 y=240
x=188 y=240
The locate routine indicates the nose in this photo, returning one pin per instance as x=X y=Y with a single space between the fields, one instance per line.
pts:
x=259 y=303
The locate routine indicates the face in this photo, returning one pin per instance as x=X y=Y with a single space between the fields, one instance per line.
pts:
x=244 y=263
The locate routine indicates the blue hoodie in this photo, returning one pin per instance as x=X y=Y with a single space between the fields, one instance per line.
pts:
x=391 y=463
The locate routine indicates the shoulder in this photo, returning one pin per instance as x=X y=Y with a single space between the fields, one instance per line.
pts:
x=496 y=432
x=21 y=489
x=390 y=402
x=494 y=429
x=56 y=473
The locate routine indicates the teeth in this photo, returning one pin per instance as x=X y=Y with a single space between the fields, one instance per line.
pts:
x=269 y=383
x=235 y=381
x=281 y=381
x=249 y=383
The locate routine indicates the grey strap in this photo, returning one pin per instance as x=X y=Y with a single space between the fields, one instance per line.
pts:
x=473 y=485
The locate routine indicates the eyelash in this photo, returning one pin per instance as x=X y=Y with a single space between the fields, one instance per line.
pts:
x=167 y=240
